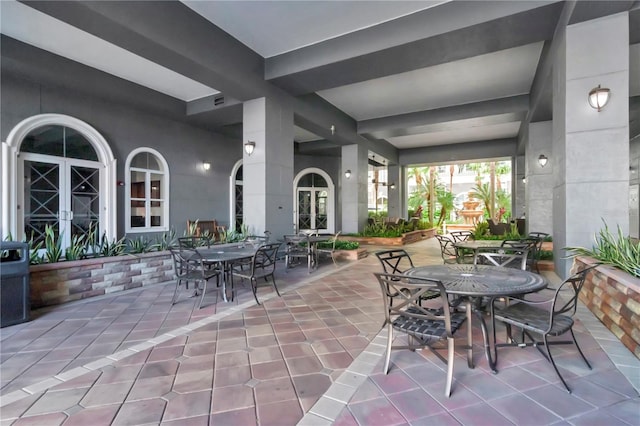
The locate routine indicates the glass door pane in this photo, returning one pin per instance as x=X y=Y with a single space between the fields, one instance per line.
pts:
x=304 y=209
x=85 y=200
x=320 y=209
x=41 y=199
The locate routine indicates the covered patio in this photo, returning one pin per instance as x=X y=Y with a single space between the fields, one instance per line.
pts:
x=311 y=357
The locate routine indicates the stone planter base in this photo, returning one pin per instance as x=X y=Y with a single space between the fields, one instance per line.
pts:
x=406 y=238
x=56 y=283
x=614 y=298
x=349 y=255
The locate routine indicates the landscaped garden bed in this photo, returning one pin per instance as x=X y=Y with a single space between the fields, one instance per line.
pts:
x=404 y=238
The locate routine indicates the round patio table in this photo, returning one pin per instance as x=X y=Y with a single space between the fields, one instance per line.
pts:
x=473 y=282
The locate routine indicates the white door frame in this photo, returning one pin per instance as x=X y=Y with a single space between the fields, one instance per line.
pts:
x=11 y=178
x=331 y=214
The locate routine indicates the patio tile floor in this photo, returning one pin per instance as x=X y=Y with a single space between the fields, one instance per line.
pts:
x=311 y=357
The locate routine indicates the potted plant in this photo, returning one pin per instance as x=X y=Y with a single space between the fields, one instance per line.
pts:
x=612 y=289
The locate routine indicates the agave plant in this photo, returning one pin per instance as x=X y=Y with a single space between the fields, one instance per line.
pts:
x=619 y=251
x=139 y=245
x=111 y=247
x=77 y=249
x=165 y=240
x=52 y=245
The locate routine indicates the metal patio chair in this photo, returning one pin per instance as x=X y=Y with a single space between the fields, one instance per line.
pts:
x=424 y=326
x=189 y=266
x=263 y=265
x=545 y=318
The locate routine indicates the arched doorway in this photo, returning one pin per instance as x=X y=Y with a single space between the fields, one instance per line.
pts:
x=314 y=201
x=58 y=172
x=236 y=192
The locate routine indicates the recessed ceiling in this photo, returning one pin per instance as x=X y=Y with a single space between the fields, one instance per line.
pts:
x=496 y=75
x=460 y=135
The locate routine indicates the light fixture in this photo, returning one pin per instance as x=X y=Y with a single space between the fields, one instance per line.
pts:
x=249 y=146
x=542 y=160
x=333 y=129
x=392 y=186
x=347 y=174
x=206 y=165
x=524 y=179
x=598 y=97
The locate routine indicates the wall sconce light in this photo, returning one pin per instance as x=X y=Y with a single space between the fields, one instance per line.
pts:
x=249 y=146
x=347 y=174
x=524 y=179
x=206 y=165
x=333 y=129
x=542 y=160
x=598 y=97
x=392 y=186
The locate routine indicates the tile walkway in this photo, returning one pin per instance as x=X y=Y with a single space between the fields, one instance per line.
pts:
x=312 y=357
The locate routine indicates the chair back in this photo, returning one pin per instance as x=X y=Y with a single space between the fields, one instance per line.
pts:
x=334 y=240
x=298 y=243
x=505 y=260
x=518 y=246
x=460 y=235
x=447 y=249
x=402 y=297
x=569 y=303
x=193 y=242
x=395 y=261
x=186 y=261
x=264 y=260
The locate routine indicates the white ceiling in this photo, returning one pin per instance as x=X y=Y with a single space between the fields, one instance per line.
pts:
x=496 y=75
x=40 y=30
x=272 y=28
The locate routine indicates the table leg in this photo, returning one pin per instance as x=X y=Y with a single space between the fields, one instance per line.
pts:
x=469 y=308
x=486 y=340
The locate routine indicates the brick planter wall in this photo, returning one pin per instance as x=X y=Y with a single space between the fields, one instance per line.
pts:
x=55 y=283
x=614 y=297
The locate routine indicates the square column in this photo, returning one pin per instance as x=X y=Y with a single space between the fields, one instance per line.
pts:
x=590 y=148
x=268 y=171
x=396 y=206
x=539 y=186
x=354 y=189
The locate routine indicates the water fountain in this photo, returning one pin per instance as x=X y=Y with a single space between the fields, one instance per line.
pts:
x=469 y=211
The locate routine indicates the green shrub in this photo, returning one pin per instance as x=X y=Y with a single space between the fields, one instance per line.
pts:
x=340 y=245
x=619 y=251
x=545 y=255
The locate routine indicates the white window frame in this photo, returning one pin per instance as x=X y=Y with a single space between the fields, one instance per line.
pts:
x=164 y=192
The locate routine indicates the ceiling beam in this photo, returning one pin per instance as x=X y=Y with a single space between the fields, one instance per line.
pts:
x=172 y=35
x=411 y=123
x=301 y=71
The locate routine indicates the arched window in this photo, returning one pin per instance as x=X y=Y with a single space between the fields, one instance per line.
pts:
x=147 y=196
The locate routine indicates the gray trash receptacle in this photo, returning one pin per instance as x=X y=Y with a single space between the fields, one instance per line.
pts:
x=14 y=283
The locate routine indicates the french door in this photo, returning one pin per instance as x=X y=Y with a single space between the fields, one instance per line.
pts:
x=62 y=193
x=312 y=209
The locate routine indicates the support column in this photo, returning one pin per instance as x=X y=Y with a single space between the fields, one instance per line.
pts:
x=268 y=171
x=395 y=206
x=354 y=189
x=590 y=148
x=539 y=192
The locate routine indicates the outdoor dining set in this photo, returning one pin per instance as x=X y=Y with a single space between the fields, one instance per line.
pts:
x=490 y=278
x=198 y=259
